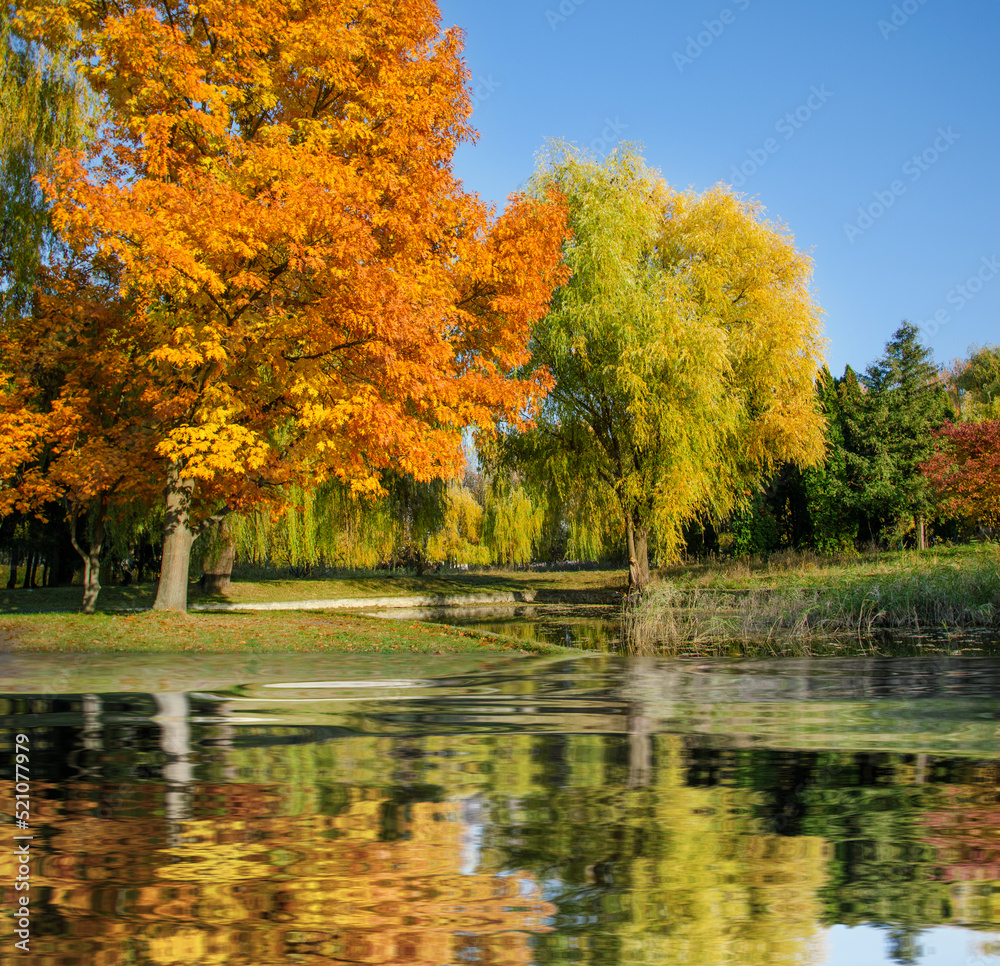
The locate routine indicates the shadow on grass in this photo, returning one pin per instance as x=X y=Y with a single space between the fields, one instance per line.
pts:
x=69 y=600
x=568 y=586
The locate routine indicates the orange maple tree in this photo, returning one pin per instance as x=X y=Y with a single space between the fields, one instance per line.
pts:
x=74 y=413
x=310 y=289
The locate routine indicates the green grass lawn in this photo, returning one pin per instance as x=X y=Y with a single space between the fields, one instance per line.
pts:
x=804 y=569
x=49 y=619
x=943 y=587
x=244 y=632
x=113 y=598
x=404 y=585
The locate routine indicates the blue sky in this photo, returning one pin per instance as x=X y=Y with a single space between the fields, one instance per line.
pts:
x=871 y=129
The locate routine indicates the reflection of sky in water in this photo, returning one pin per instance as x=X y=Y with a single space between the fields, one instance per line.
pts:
x=869 y=946
x=473 y=815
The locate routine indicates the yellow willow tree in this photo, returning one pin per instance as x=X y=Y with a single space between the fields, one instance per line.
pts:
x=684 y=349
x=315 y=295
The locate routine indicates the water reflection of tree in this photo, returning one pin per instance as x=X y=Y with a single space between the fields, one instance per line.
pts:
x=251 y=881
x=594 y=848
x=336 y=852
x=907 y=834
x=963 y=830
x=869 y=808
x=662 y=873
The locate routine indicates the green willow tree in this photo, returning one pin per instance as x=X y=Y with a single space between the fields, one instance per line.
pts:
x=330 y=526
x=458 y=539
x=683 y=348
x=43 y=108
x=513 y=521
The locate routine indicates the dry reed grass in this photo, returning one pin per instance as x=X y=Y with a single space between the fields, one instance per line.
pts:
x=906 y=593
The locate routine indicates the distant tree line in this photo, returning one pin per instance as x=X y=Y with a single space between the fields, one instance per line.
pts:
x=912 y=456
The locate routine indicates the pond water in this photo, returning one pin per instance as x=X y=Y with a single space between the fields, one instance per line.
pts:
x=588 y=626
x=452 y=810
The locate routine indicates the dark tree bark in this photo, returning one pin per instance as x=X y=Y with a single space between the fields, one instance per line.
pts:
x=171 y=594
x=14 y=561
x=217 y=566
x=29 y=569
x=642 y=553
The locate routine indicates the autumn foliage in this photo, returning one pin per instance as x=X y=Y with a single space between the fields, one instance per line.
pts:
x=303 y=289
x=965 y=472
x=684 y=350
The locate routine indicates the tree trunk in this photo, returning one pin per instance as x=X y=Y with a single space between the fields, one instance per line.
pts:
x=217 y=566
x=640 y=750
x=142 y=551
x=642 y=552
x=12 y=578
x=171 y=594
x=173 y=710
x=29 y=570
x=921 y=533
x=91 y=557
x=637 y=542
